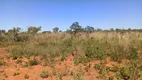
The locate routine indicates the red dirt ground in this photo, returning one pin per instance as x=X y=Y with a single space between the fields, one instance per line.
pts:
x=63 y=67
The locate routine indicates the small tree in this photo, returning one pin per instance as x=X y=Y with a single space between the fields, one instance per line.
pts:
x=99 y=29
x=117 y=30
x=89 y=29
x=46 y=32
x=2 y=32
x=60 y=30
x=111 y=29
x=33 y=30
x=56 y=29
x=75 y=28
x=13 y=33
x=2 y=35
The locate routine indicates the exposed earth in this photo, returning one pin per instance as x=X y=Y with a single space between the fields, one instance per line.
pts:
x=65 y=68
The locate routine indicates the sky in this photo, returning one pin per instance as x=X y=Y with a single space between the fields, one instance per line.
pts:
x=104 y=14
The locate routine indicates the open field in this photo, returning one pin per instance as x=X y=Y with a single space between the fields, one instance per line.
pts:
x=70 y=39
x=97 y=55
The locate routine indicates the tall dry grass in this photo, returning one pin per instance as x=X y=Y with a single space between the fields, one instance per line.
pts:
x=96 y=45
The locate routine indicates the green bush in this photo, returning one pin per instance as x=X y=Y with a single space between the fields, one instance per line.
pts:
x=95 y=49
x=133 y=53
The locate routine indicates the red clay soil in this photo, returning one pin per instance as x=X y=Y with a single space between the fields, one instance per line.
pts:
x=61 y=67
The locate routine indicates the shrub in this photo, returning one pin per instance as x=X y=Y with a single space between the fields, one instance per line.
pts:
x=78 y=76
x=18 y=61
x=115 y=68
x=94 y=49
x=97 y=66
x=87 y=67
x=5 y=75
x=54 y=72
x=60 y=77
x=81 y=59
x=44 y=74
x=8 y=57
x=133 y=54
x=26 y=76
x=1 y=58
x=130 y=71
x=2 y=63
x=16 y=73
x=33 y=62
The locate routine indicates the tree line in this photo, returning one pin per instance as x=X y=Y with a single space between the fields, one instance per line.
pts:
x=16 y=34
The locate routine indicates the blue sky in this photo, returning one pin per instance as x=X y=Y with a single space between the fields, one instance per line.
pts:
x=103 y=14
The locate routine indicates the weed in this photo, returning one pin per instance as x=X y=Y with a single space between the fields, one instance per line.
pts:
x=80 y=75
x=75 y=76
x=3 y=79
x=87 y=67
x=16 y=73
x=33 y=62
x=60 y=77
x=54 y=72
x=44 y=74
x=1 y=58
x=98 y=45
x=18 y=61
x=1 y=71
x=81 y=59
x=103 y=62
x=72 y=73
x=63 y=58
x=8 y=57
x=2 y=63
x=26 y=76
x=25 y=64
x=5 y=75
x=97 y=66
x=115 y=68
x=131 y=71
x=133 y=54
x=111 y=78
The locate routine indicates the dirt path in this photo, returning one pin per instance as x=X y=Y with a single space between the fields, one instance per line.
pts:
x=8 y=71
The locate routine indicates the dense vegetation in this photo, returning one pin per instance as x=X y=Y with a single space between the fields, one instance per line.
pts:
x=96 y=44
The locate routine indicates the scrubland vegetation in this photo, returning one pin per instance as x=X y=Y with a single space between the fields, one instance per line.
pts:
x=121 y=46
